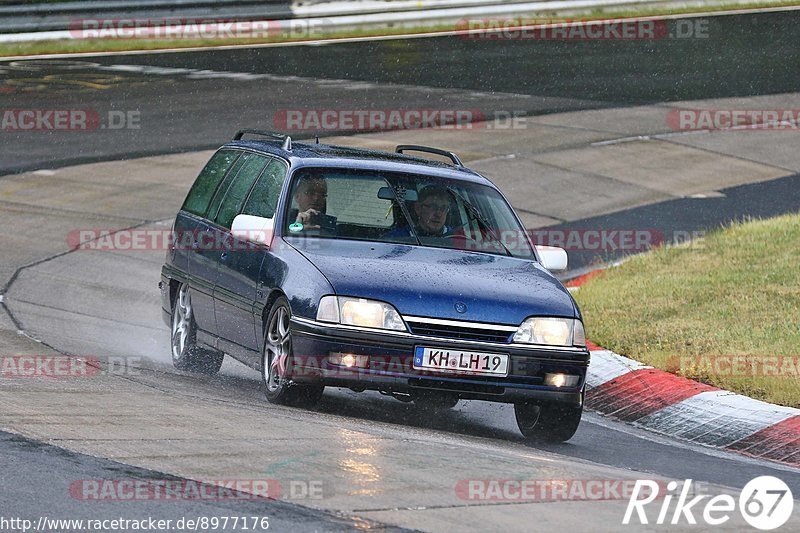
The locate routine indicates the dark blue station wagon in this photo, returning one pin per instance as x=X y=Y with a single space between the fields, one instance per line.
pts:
x=331 y=266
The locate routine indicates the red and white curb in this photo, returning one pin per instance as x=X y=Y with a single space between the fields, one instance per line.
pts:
x=664 y=403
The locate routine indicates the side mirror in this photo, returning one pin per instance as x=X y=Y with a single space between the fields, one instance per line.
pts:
x=553 y=258
x=254 y=229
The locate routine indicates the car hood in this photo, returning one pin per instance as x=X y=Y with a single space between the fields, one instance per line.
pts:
x=428 y=282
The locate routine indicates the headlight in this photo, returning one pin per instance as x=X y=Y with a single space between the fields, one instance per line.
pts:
x=551 y=331
x=359 y=312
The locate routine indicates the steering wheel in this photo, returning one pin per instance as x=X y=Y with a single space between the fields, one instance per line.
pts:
x=456 y=238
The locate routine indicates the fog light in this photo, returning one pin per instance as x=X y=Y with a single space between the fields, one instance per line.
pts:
x=348 y=360
x=560 y=380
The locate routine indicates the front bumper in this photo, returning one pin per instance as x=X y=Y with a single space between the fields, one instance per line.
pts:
x=389 y=364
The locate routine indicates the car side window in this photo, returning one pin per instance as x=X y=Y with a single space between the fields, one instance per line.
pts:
x=208 y=181
x=213 y=208
x=263 y=199
x=237 y=190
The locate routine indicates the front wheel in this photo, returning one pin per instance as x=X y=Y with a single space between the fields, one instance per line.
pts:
x=547 y=422
x=275 y=358
x=186 y=354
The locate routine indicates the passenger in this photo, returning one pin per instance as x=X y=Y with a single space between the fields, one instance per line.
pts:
x=431 y=210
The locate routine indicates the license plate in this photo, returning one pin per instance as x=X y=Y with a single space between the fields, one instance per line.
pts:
x=460 y=362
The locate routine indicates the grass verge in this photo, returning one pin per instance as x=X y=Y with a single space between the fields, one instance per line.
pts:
x=724 y=310
x=71 y=46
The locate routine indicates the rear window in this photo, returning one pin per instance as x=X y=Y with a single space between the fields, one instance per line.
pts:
x=239 y=187
x=207 y=182
x=264 y=197
x=232 y=174
x=356 y=201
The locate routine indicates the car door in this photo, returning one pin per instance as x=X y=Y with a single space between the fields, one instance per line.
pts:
x=259 y=181
x=194 y=251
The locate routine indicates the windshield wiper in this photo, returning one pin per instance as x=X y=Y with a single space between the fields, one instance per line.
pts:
x=477 y=215
x=402 y=203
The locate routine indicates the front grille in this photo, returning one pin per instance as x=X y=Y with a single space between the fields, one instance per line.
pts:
x=467 y=333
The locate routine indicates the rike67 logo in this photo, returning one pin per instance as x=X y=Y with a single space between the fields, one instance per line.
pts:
x=765 y=503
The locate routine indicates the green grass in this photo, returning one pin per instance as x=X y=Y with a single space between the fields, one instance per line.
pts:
x=735 y=292
x=64 y=46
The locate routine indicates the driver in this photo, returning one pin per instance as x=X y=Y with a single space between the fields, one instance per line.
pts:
x=311 y=198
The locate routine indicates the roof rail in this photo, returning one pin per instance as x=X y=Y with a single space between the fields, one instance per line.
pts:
x=427 y=149
x=287 y=141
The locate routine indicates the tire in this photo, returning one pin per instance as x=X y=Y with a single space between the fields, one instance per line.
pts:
x=547 y=422
x=275 y=355
x=433 y=400
x=186 y=354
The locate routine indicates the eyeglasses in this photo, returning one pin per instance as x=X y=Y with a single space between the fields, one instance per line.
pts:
x=436 y=207
x=315 y=192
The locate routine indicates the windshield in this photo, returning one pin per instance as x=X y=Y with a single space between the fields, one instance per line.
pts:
x=403 y=208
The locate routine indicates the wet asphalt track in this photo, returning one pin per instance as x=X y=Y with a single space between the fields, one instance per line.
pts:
x=536 y=77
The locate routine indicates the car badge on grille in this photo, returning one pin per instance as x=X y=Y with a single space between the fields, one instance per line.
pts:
x=461 y=307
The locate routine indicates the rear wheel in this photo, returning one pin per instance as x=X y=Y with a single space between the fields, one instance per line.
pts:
x=275 y=358
x=547 y=422
x=186 y=354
